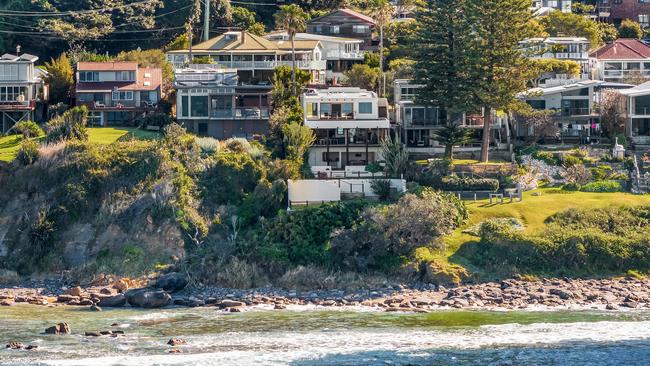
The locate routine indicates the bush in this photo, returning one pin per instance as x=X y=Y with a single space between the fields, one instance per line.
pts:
x=229 y=177
x=603 y=186
x=576 y=174
x=28 y=152
x=157 y=119
x=28 y=129
x=381 y=187
x=601 y=172
x=69 y=126
x=208 y=145
x=455 y=183
x=546 y=156
x=573 y=186
x=570 y=161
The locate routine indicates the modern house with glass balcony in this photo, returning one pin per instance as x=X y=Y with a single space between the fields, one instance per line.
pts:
x=572 y=110
x=637 y=114
x=117 y=93
x=623 y=60
x=211 y=101
x=349 y=124
x=560 y=48
x=21 y=86
x=254 y=57
x=340 y=53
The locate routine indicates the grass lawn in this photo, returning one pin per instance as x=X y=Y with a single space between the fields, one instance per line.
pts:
x=9 y=145
x=533 y=210
x=108 y=135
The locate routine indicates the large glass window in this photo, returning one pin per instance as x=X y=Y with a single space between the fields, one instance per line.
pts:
x=346 y=109
x=199 y=106
x=88 y=76
x=325 y=110
x=125 y=75
x=365 y=107
x=185 y=106
x=8 y=72
x=122 y=95
x=312 y=109
x=11 y=93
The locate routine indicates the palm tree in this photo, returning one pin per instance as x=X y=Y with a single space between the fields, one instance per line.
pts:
x=383 y=13
x=292 y=19
x=451 y=135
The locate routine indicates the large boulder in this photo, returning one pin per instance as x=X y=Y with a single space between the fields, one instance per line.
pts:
x=116 y=301
x=61 y=328
x=172 y=282
x=148 y=298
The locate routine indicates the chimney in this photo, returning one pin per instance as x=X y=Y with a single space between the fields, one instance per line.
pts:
x=243 y=36
x=18 y=50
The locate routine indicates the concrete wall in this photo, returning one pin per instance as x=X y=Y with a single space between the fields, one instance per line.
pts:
x=319 y=190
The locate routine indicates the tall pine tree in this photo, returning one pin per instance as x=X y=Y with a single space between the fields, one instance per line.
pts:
x=499 y=26
x=445 y=52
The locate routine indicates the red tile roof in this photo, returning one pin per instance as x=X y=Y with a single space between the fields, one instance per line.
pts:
x=107 y=66
x=153 y=82
x=623 y=49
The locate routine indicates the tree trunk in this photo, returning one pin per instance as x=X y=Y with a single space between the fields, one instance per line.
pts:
x=485 y=145
x=381 y=59
x=449 y=151
x=293 y=66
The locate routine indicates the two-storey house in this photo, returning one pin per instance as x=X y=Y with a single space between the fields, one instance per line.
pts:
x=349 y=124
x=624 y=60
x=571 y=109
x=615 y=11
x=636 y=109
x=21 y=86
x=344 y=23
x=255 y=58
x=117 y=93
x=211 y=101
x=340 y=53
x=561 y=5
x=561 y=48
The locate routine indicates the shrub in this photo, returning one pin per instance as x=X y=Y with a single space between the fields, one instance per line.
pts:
x=28 y=129
x=546 y=156
x=601 y=172
x=28 y=152
x=570 y=161
x=381 y=187
x=69 y=126
x=157 y=119
x=208 y=145
x=603 y=186
x=455 y=183
x=576 y=174
x=573 y=186
x=229 y=177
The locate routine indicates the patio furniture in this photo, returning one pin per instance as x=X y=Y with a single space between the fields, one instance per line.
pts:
x=496 y=196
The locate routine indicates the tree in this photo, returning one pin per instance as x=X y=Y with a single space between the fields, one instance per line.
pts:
x=69 y=126
x=500 y=25
x=383 y=13
x=611 y=112
x=452 y=135
x=558 y=23
x=362 y=76
x=445 y=56
x=60 y=79
x=395 y=156
x=299 y=139
x=292 y=19
x=608 y=32
x=245 y=19
x=402 y=68
x=284 y=85
x=630 y=29
x=546 y=67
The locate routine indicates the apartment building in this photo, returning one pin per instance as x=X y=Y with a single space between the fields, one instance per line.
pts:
x=117 y=93
x=21 y=86
x=211 y=101
x=349 y=124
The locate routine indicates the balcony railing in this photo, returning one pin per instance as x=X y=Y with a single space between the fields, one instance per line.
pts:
x=623 y=73
x=119 y=104
x=334 y=116
x=28 y=104
x=271 y=64
x=251 y=113
x=567 y=112
x=345 y=55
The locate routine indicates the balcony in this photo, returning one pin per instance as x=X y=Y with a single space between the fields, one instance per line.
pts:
x=271 y=64
x=251 y=113
x=337 y=55
x=17 y=106
x=332 y=116
x=570 y=112
x=120 y=104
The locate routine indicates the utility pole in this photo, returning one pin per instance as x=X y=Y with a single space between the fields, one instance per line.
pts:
x=206 y=21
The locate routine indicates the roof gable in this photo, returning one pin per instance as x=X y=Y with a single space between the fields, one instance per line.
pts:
x=345 y=11
x=623 y=49
x=236 y=41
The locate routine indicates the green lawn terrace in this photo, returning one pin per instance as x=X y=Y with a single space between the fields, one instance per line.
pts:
x=9 y=145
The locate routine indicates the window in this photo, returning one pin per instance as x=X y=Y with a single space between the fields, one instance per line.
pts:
x=318 y=29
x=632 y=66
x=365 y=107
x=360 y=29
x=203 y=128
x=335 y=29
x=11 y=93
x=8 y=72
x=122 y=95
x=88 y=76
x=85 y=97
x=185 y=105
x=95 y=118
x=312 y=109
x=199 y=106
x=325 y=109
x=125 y=75
x=644 y=20
x=346 y=109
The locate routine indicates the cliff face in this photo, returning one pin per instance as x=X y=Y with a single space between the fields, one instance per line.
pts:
x=102 y=208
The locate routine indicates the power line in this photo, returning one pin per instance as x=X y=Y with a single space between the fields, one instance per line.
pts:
x=19 y=13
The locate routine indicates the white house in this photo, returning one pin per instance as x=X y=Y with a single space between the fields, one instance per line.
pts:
x=21 y=85
x=637 y=113
x=561 y=48
x=349 y=124
x=622 y=60
x=340 y=53
x=572 y=106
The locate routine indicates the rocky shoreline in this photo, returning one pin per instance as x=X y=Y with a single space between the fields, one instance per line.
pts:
x=513 y=294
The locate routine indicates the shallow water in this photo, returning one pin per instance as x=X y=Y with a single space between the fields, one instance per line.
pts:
x=328 y=337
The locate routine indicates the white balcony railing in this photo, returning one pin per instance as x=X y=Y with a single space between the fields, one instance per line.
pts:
x=271 y=64
x=334 y=55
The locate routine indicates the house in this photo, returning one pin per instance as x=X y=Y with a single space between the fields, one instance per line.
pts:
x=21 y=86
x=349 y=124
x=561 y=48
x=561 y=5
x=255 y=57
x=417 y=123
x=636 y=109
x=340 y=53
x=212 y=101
x=344 y=23
x=571 y=107
x=615 y=11
x=117 y=93
x=622 y=60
